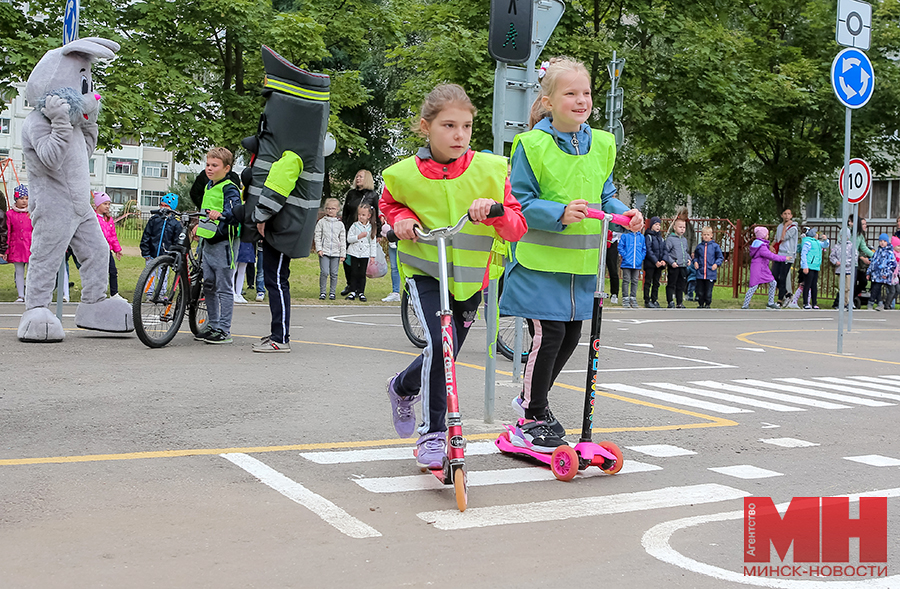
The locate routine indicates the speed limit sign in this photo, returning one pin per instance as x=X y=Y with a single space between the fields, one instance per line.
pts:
x=860 y=181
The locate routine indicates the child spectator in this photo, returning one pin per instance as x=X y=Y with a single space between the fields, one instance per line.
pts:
x=653 y=263
x=361 y=249
x=843 y=269
x=612 y=265
x=394 y=296
x=18 y=222
x=895 y=281
x=362 y=192
x=108 y=226
x=881 y=270
x=331 y=245
x=219 y=241
x=161 y=229
x=690 y=289
x=708 y=258
x=677 y=257
x=760 y=256
x=810 y=262
x=3 y=229
x=246 y=255
x=633 y=249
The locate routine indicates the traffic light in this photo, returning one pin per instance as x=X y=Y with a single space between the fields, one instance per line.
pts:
x=509 y=35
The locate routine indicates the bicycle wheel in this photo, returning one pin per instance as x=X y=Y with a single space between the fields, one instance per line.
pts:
x=414 y=330
x=197 y=316
x=159 y=302
x=506 y=338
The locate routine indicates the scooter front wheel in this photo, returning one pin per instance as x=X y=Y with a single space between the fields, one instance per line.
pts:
x=564 y=463
x=460 y=487
x=620 y=462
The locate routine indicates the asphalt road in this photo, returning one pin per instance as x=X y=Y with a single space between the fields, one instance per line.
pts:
x=211 y=466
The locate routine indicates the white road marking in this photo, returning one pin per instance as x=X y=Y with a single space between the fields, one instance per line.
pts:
x=661 y=450
x=753 y=349
x=746 y=471
x=640 y=345
x=887 y=383
x=656 y=543
x=810 y=391
x=378 y=454
x=766 y=425
x=856 y=389
x=325 y=509
x=695 y=347
x=670 y=398
x=769 y=395
x=344 y=319
x=485 y=478
x=874 y=460
x=891 y=376
x=723 y=397
x=703 y=364
x=788 y=442
x=562 y=509
x=862 y=387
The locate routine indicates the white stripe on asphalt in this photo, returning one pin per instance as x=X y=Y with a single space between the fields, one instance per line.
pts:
x=874 y=460
x=746 y=471
x=661 y=450
x=670 y=398
x=562 y=509
x=863 y=384
x=769 y=395
x=810 y=391
x=788 y=442
x=325 y=509
x=891 y=376
x=857 y=389
x=485 y=478
x=890 y=385
x=723 y=397
x=656 y=542
x=378 y=454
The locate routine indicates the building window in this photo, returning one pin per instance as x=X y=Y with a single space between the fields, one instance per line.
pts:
x=120 y=196
x=131 y=141
x=91 y=166
x=150 y=198
x=895 y=199
x=122 y=166
x=4 y=153
x=4 y=126
x=156 y=169
x=878 y=200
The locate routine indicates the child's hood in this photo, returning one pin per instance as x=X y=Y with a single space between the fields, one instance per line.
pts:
x=564 y=139
x=758 y=243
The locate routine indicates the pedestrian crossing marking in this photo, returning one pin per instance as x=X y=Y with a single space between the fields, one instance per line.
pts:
x=864 y=385
x=661 y=450
x=874 y=460
x=856 y=390
x=723 y=397
x=746 y=471
x=788 y=442
x=812 y=392
x=770 y=395
x=676 y=399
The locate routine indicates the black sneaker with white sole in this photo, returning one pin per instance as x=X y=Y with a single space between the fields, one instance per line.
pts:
x=555 y=425
x=218 y=337
x=537 y=436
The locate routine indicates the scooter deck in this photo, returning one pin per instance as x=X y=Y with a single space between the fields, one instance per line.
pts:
x=588 y=452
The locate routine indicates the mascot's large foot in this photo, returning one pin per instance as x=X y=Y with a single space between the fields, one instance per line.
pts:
x=40 y=325
x=107 y=315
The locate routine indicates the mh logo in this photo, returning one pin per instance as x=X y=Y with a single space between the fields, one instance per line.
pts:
x=809 y=519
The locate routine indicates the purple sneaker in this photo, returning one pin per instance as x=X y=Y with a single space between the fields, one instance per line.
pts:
x=403 y=413
x=431 y=449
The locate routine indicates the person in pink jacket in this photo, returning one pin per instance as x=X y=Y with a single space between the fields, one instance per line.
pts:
x=760 y=256
x=108 y=226
x=18 y=229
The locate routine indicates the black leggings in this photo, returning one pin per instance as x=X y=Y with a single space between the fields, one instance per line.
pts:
x=811 y=288
x=552 y=344
x=652 y=275
x=113 y=275
x=612 y=266
x=358 y=274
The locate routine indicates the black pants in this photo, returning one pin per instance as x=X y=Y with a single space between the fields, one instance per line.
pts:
x=704 y=291
x=876 y=293
x=652 y=275
x=861 y=281
x=276 y=272
x=552 y=344
x=612 y=266
x=780 y=271
x=426 y=373
x=676 y=283
x=811 y=287
x=113 y=275
x=357 y=278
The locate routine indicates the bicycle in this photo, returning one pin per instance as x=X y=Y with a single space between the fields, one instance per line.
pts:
x=506 y=329
x=170 y=284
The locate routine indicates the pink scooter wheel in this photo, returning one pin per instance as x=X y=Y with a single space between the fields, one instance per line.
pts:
x=620 y=462
x=564 y=463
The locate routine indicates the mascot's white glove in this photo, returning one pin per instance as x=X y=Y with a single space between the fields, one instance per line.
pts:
x=56 y=109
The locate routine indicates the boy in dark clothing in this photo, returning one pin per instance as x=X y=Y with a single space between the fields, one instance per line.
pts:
x=708 y=258
x=677 y=257
x=653 y=263
x=161 y=230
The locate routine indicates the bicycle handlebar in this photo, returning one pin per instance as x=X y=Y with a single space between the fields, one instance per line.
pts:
x=622 y=220
x=496 y=211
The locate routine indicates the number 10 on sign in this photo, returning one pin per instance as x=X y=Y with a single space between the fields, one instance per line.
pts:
x=860 y=181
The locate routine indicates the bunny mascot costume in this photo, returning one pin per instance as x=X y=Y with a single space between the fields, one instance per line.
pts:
x=58 y=138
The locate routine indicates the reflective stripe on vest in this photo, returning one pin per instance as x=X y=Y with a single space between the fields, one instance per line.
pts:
x=441 y=203
x=213 y=200
x=563 y=178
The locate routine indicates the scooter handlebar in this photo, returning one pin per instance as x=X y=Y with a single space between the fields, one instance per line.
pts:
x=622 y=220
x=496 y=211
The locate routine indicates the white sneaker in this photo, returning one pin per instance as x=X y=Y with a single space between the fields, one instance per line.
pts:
x=118 y=297
x=20 y=300
x=394 y=297
x=65 y=299
x=260 y=296
x=614 y=299
x=239 y=298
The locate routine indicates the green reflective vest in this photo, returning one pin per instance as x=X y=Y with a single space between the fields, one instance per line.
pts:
x=564 y=178
x=441 y=203
x=213 y=200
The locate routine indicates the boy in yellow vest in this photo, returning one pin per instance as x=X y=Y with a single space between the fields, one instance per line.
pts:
x=219 y=242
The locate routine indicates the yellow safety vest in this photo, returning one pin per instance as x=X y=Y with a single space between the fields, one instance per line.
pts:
x=213 y=200
x=563 y=178
x=441 y=203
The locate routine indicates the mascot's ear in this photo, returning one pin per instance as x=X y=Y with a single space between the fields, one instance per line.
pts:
x=247 y=176
x=92 y=46
x=251 y=144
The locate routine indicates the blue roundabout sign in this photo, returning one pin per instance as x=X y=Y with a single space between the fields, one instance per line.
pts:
x=852 y=78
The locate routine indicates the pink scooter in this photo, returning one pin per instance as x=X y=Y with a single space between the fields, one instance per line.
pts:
x=565 y=461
